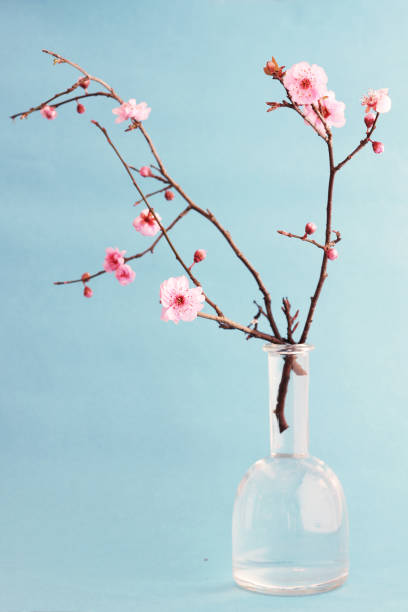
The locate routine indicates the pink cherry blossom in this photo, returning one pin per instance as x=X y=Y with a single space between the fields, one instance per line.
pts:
x=48 y=112
x=125 y=274
x=113 y=259
x=141 y=111
x=178 y=301
x=131 y=110
x=305 y=83
x=378 y=100
x=146 y=224
x=88 y=293
x=331 y=110
x=80 y=108
x=145 y=171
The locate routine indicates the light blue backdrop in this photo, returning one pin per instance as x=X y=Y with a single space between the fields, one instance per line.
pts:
x=123 y=438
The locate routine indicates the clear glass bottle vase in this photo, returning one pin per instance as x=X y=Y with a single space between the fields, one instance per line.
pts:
x=290 y=524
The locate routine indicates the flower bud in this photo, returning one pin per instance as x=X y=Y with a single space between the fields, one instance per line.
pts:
x=48 y=112
x=88 y=292
x=378 y=147
x=269 y=68
x=84 y=83
x=85 y=277
x=80 y=108
x=332 y=254
x=369 y=119
x=310 y=228
x=169 y=195
x=199 y=255
x=145 y=171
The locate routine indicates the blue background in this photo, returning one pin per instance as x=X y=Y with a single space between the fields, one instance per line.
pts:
x=122 y=437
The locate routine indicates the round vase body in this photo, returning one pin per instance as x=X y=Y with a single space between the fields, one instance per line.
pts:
x=290 y=530
x=290 y=523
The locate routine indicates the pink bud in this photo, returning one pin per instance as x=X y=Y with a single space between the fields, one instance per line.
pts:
x=310 y=228
x=169 y=195
x=88 y=292
x=145 y=171
x=332 y=254
x=199 y=255
x=48 y=112
x=378 y=147
x=369 y=119
x=80 y=108
x=84 y=83
x=85 y=277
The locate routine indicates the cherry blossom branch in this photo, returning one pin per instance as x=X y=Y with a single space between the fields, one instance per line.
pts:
x=62 y=60
x=159 y=223
x=25 y=114
x=314 y=242
x=209 y=215
x=150 y=249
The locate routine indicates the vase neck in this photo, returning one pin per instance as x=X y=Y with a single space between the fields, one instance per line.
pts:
x=288 y=369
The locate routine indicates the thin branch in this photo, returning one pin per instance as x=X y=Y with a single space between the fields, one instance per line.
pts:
x=63 y=60
x=25 y=114
x=149 y=195
x=229 y=324
x=290 y=235
x=358 y=148
x=150 y=249
x=323 y=268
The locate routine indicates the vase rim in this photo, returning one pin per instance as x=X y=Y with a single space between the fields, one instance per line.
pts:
x=287 y=349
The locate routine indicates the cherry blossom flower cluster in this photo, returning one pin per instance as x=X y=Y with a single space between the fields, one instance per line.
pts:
x=307 y=87
x=115 y=262
x=376 y=100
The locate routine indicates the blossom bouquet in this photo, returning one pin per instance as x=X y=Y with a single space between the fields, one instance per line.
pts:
x=290 y=526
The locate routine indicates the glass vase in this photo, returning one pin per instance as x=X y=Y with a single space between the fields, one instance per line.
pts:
x=290 y=524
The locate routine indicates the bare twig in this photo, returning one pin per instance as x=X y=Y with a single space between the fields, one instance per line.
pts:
x=291 y=325
x=303 y=238
x=229 y=324
x=148 y=195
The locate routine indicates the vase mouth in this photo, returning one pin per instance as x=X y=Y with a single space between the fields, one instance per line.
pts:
x=287 y=349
